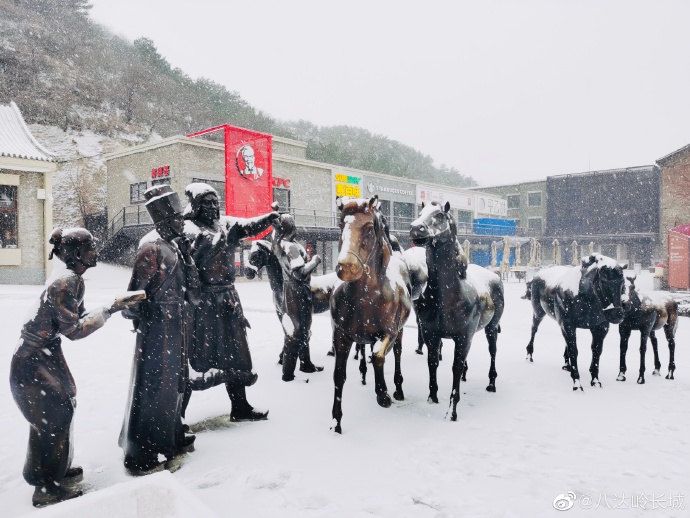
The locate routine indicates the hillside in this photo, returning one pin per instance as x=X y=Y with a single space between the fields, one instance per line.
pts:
x=86 y=91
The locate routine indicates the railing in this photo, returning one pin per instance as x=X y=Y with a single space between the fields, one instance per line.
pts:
x=131 y=216
x=135 y=215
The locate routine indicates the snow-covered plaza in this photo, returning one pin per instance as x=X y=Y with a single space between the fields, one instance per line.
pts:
x=511 y=453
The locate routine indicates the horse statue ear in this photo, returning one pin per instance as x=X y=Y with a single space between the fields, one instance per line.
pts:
x=275 y=206
x=339 y=203
x=423 y=204
x=446 y=207
x=374 y=202
x=588 y=261
x=624 y=266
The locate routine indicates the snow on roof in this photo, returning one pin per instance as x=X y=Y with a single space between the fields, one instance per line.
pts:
x=16 y=141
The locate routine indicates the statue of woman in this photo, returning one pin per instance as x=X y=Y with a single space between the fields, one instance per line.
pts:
x=41 y=382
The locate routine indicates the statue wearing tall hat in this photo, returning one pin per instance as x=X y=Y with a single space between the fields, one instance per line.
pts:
x=163 y=268
x=219 y=350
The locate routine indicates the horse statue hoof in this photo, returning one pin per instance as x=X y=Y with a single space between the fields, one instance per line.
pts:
x=656 y=372
x=491 y=388
x=621 y=377
x=595 y=382
x=419 y=351
x=640 y=381
x=529 y=357
x=454 y=416
x=399 y=395
x=566 y=367
x=669 y=376
x=384 y=400
x=432 y=399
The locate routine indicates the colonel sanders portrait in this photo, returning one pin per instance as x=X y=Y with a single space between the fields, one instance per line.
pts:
x=249 y=171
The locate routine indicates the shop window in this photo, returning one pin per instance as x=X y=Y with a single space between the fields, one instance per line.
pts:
x=403 y=215
x=282 y=196
x=534 y=199
x=385 y=208
x=161 y=181
x=514 y=201
x=8 y=216
x=219 y=186
x=534 y=225
x=136 y=192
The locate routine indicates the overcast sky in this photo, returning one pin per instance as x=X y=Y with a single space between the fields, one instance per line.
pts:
x=504 y=91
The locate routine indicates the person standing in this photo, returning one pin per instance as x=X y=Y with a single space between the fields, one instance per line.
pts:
x=219 y=335
x=297 y=302
x=41 y=382
x=163 y=268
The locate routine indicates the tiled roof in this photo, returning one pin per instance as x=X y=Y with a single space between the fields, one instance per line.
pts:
x=16 y=141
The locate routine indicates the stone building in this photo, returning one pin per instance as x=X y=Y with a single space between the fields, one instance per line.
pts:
x=26 y=212
x=674 y=204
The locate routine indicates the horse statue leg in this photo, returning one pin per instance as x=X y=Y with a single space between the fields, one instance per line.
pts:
x=342 y=346
x=492 y=337
x=361 y=349
x=624 y=332
x=655 y=348
x=462 y=347
x=433 y=345
x=571 y=354
x=644 y=334
x=670 y=332
x=399 y=395
x=537 y=317
x=598 y=335
x=378 y=359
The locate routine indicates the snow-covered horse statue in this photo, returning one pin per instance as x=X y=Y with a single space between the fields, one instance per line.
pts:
x=373 y=302
x=588 y=297
x=459 y=299
x=646 y=314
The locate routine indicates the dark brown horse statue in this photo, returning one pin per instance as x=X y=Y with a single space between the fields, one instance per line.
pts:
x=588 y=297
x=373 y=302
x=458 y=300
x=646 y=314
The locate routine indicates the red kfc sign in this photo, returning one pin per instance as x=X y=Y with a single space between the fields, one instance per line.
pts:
x=248 y=170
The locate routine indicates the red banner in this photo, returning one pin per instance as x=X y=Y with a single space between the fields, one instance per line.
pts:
x=248 y=171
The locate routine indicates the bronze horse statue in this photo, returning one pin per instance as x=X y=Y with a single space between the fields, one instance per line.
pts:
x=588 y=297
x=647 y=314
x=373 y=302
x=322 y=286
x=458 y=300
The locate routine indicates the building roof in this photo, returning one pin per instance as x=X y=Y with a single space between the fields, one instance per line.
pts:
x=634 y=169
x=672 y=154
x=16 y=141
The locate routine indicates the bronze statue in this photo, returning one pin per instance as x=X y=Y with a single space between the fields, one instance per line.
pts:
x=164 y=269
x=219 y=335
x=41 y=382
x=296 y=302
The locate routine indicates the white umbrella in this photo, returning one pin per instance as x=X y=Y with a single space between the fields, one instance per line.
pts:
x=556 y=252
x=494 y=253
x=575 y=260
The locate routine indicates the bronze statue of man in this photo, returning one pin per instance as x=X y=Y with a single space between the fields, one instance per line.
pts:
x=164 y=269
x=41 y=382
x=219 y=336
x=297 y=302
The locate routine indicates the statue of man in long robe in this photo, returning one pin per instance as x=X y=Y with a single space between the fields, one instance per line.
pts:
x=219 y=350
x=164 y=269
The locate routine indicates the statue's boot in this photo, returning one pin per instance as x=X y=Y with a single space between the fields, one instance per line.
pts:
x=51 y=494
x=241 y=409
x=289 y=364
x=74 y=475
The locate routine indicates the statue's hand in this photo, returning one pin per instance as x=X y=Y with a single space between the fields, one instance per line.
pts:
x=128 y=302
x=273 y=217
x=316 y=258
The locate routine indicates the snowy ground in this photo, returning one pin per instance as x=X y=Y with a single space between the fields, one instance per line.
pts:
x=510 y=453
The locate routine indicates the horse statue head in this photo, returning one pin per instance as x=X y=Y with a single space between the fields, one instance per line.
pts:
x=603 y=277
x=435 y=225
x=363 y=245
